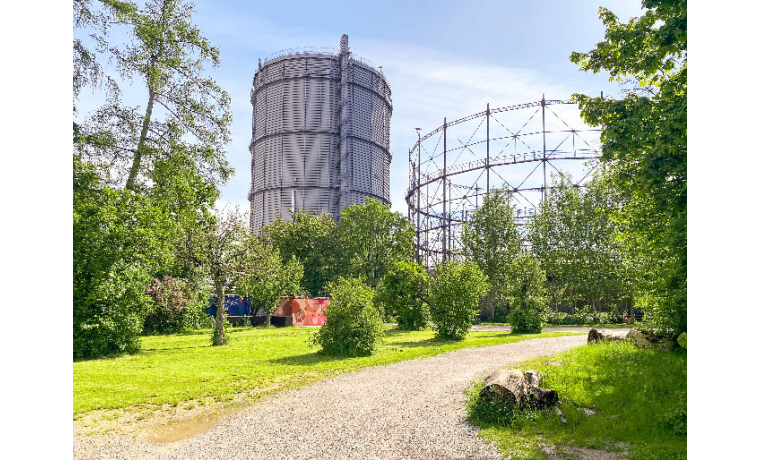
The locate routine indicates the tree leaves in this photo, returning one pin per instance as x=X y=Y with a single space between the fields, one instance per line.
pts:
x=644 y=146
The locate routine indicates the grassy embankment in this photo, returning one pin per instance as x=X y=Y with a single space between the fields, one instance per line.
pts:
x=638 y=397
x=176 y=368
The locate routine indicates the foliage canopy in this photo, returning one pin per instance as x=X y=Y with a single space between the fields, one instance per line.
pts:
x=491 y=240
x=120 y=240
x=370 y=238
x=456 y=290
x=644 y=145
x=308 y=238
x=404 y=292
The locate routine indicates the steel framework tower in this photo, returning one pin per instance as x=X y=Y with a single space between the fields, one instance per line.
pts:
x=454 y=166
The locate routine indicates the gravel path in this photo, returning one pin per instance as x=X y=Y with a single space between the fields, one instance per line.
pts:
x=411 y=409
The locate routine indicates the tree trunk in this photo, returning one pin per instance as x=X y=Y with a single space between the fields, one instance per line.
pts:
x=631 y=318
x=220 y=314
x=512 y=388
x=596 y=336
x=506 y=386
x=141 y=143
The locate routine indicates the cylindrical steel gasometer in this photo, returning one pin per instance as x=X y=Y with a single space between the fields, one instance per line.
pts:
x=321 y=133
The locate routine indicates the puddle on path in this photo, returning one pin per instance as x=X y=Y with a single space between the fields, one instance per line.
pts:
x=183 y=429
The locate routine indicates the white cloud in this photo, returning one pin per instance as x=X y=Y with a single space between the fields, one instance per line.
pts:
x=429 y=85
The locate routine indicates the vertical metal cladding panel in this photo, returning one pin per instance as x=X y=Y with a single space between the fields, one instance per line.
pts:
x=295 y=151
x=335 y=140
x=370 y=126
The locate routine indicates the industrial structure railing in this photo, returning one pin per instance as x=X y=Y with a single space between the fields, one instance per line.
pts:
x=517 y=147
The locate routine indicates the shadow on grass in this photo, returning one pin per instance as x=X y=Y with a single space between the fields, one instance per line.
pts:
x=146 y=351
x=421 y=343
x=308 y=359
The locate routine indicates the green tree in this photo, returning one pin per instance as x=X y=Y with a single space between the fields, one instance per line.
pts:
x=271 y=281
x=369 y=239
x=404 y=292
x=308 y=238
x=491 y=240
x=173 y=149
x=527 y=292
x=174 y=154
x=354 y=327
x=573 y=237
x=87 y=71
x=456 y=290
x=644 y=143
x=120 y=240
x=223 y=250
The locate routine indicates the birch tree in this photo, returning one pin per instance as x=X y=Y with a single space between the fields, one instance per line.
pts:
x=186 y=114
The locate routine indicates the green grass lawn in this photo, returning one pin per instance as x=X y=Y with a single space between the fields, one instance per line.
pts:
x=638 y=396
x=597 y=326
x=176 y=368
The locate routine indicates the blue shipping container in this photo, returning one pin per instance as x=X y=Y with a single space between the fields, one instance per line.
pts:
x=236 y=305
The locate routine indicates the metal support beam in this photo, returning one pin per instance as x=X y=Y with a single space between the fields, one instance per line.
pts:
x=543 y=130
x=445 y=221
x=458 y=171
x=419 y=190
x=488 y=148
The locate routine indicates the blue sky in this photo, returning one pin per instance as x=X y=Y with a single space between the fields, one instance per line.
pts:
x=442 y=59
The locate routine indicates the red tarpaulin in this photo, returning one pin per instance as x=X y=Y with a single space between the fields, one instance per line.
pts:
x=305 y=311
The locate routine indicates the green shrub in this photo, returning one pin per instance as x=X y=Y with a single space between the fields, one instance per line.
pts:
x=110 y=320
x=527 y=294
x=526 y=321
x=676 y=419
x=456 y=292
x=501 y=314
x=583 y=316
x=194 y=316
x=354 y=327
x=682 y=340
x=403 y=291
x=120 y=239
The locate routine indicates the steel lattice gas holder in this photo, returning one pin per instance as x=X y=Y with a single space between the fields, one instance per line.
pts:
x=517 y=147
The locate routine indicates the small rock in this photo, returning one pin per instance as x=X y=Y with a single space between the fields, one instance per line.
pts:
x=548 y=450
x=561 y=415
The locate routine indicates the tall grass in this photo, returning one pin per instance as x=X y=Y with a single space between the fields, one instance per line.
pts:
x=638 y=397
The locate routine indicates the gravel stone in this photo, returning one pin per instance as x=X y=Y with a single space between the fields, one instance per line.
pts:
x=407 y=410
